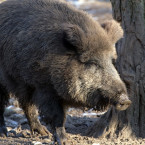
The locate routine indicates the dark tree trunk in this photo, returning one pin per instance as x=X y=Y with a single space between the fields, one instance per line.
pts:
x=131 y=66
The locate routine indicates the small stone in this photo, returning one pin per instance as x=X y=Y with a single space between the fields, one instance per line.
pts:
x=52 y=143
x=46 y=140
x=95 y=144
x=36 y=143
x=9 y=128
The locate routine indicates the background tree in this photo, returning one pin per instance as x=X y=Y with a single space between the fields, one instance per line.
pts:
x=131 y=66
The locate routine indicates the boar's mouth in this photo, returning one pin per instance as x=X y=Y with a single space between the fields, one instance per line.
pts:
x=102 y=105
x=98 y=101
x=101 y=102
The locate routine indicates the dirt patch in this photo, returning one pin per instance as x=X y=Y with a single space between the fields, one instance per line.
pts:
x=78 y=122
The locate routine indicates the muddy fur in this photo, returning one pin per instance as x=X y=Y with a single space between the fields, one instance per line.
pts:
x=53 y=56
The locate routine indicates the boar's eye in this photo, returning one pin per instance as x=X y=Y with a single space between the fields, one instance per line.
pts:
x=92 y=63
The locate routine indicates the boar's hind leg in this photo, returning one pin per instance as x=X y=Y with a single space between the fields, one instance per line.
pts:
x=32 y=116
x=3 y=101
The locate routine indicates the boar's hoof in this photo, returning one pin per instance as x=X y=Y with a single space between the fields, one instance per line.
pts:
x=62 y=141
x=3 y=131
x=40 y=129
x=123 y=104
x=61 y=137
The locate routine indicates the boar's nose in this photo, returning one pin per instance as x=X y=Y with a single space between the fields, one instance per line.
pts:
x=123 y=103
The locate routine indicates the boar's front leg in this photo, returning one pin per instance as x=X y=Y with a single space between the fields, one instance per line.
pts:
x=32 y=115
x=53 y=112
x=56 y=117
x=57 y=124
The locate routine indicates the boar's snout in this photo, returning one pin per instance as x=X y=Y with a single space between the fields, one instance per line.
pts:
x=123 y=103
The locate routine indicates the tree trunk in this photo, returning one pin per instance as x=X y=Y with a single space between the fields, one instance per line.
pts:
x=131 y=66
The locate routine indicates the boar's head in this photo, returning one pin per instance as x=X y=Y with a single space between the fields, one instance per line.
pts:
x=85 y=75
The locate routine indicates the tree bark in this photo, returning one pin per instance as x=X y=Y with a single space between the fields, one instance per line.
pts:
x=131 y=66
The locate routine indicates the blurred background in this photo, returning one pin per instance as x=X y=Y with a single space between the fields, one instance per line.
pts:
x=101 y=10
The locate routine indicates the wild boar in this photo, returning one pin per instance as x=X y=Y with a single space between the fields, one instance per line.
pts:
x=53 y=56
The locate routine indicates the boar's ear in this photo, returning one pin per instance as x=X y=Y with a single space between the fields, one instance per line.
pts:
x=73 y=37
x=114 y=30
